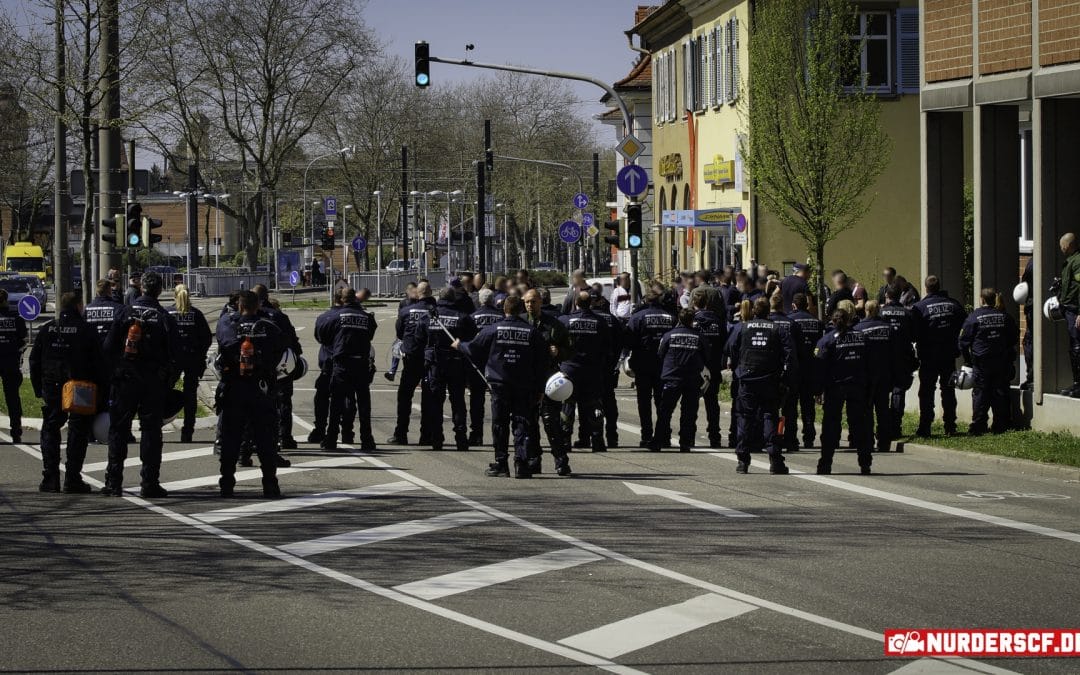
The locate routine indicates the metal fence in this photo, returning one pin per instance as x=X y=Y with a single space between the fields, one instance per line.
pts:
x=392 y=284
x=212 y=282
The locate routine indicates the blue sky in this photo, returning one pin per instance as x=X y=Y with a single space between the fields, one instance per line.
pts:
x=584 y=36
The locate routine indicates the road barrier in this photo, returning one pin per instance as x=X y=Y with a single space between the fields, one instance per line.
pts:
x=392 y=284
x=214 y=282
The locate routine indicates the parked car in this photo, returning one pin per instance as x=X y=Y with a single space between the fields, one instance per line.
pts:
x=20 y=286
x=399 y=265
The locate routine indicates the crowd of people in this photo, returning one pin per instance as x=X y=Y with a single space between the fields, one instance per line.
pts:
x=544 y=366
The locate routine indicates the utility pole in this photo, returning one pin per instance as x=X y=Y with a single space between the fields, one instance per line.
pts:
x=192 y=213
x=596 y=214
x=109 y=141
x=489 y=167
x=60 y=196
x=480 y=226
x=404 y=226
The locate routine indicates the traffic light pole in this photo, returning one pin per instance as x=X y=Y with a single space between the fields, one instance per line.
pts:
x=109 y=179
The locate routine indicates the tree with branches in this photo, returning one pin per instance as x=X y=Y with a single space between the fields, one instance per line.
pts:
x=815 y=145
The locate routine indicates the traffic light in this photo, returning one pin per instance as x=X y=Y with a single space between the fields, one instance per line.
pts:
x=613 y=239
x=423 y=66
x=328 y=241
x=110 y=227
x=633 y=226
x=133 y=238
x=147 y=231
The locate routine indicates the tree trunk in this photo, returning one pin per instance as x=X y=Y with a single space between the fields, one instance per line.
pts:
x=819 y=278
x=251 y=254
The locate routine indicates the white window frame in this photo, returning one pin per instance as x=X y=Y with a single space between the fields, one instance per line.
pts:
x=888 y=38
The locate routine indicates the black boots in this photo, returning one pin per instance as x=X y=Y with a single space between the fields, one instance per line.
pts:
x=50 y=481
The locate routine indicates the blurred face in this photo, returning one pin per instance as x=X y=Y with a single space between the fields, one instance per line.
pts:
x=888 y=276
x=838 y=282
x=532 y=303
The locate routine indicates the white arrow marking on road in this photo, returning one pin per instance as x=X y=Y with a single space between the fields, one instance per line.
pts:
x=682 y=498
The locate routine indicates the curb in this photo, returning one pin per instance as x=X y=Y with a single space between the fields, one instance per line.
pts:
x=1026 y=467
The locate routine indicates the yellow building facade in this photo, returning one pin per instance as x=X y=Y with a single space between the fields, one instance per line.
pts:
x=707 y=214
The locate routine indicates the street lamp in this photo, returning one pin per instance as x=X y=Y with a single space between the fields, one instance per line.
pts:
x=344 y=241
x=344 y=151
x=378 y=242
x=408 y=262
x=186 y=196
x=502 y=206
x=217 y=224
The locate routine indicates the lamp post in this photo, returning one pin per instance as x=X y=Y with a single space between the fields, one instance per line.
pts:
x=187 y=244
x=434 y=236
x=344 y=242
x=423 y=247
x=217 y=224
x=378 y=242
x=344 y=151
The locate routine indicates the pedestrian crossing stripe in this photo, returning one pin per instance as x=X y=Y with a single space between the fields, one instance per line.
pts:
x=383 y=533
x=282 y=505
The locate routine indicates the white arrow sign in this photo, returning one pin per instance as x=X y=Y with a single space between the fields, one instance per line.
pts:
x=682 y=498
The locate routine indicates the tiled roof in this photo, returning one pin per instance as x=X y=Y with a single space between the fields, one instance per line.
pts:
x=640 y=76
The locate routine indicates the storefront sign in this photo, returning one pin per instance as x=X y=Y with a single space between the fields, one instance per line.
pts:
x=720 y=172
x=670 y=165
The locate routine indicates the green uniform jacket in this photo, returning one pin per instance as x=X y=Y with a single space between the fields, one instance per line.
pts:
x=1070 y=282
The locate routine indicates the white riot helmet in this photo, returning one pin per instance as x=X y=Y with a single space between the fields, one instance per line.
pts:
x=101 y=427
x=964 y=378
x=287 y=364
x=559 y=388
x=706 y=379
x=1052 y=310
x=1020 y=293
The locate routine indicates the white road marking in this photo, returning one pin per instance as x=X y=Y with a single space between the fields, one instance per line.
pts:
x=648 y=628
x=278 y=506
x=931 y=667
x=682 y=498
x=497 y=573
x=248 y=474
x=165 y=457
x=920 y=503
x=387 y=593
x=374 y=535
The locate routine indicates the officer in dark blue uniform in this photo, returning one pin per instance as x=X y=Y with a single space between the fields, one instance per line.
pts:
x=557 y=341
x=514 y=357
x=902 y=322
x=810 y=331
x=102 y=310
x=938 y=320
x=447 y=371
x=764 y=359
x=882 y=353
x=843 y=378
x=591 y=341
x=250 y=346
x=644 y=331
x=193 y=338
x=682 y=355
x=608 y=404
x=12 y=344
x=283 y=389
x=409 y=332
x=144 y=352
x=713 y=327
x=322 y=382
x=988 y=344
x=65 y=349
x=485 y=315
x=347 y=333
x=789 y=395
x=794 y=284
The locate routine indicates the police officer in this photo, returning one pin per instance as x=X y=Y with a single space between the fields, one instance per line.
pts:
x=283 y=389
x=810 y=331
x=763 y=357
x=557 y=341
x=789 y=395
x=250 y=346
x=65 y=349
x=193 y=338
x=682 y=355
x=408 y=330
x=988 y=344
x=102 y=310
x=794 y=284
x=1069 y=297
x=446 y=367
x=142 y=345
x=608 y=404
x=485 y=315
x=713 y=327
x=590 y=338
x=643 y=333
x=348 y=333
x=938 y=320
x=12 y=344
x=321 y=400
x=882 y=352
x=841 y=358
x=514 y=357
x=903 y=324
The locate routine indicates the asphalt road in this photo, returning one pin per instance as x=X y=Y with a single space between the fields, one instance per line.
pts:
x=411 y=560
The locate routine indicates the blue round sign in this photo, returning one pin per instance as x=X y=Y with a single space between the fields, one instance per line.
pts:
x=359 y=243
x=29 y=308
x=587 y=220
x=632 y=180
x=581 y=200
x=294 y=278
x=570 y=232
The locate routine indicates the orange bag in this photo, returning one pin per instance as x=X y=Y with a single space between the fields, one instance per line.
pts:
x=79 y=397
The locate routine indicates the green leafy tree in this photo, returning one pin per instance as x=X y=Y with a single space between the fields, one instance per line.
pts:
x=815 y=145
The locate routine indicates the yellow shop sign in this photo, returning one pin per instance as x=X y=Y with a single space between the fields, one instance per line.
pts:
x=720 y=172
x=670 y=165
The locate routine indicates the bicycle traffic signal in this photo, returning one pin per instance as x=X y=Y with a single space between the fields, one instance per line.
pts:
x=633 y=226
x=423 y=66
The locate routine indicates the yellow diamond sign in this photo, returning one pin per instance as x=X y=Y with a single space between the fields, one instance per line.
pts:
x=630 y=147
